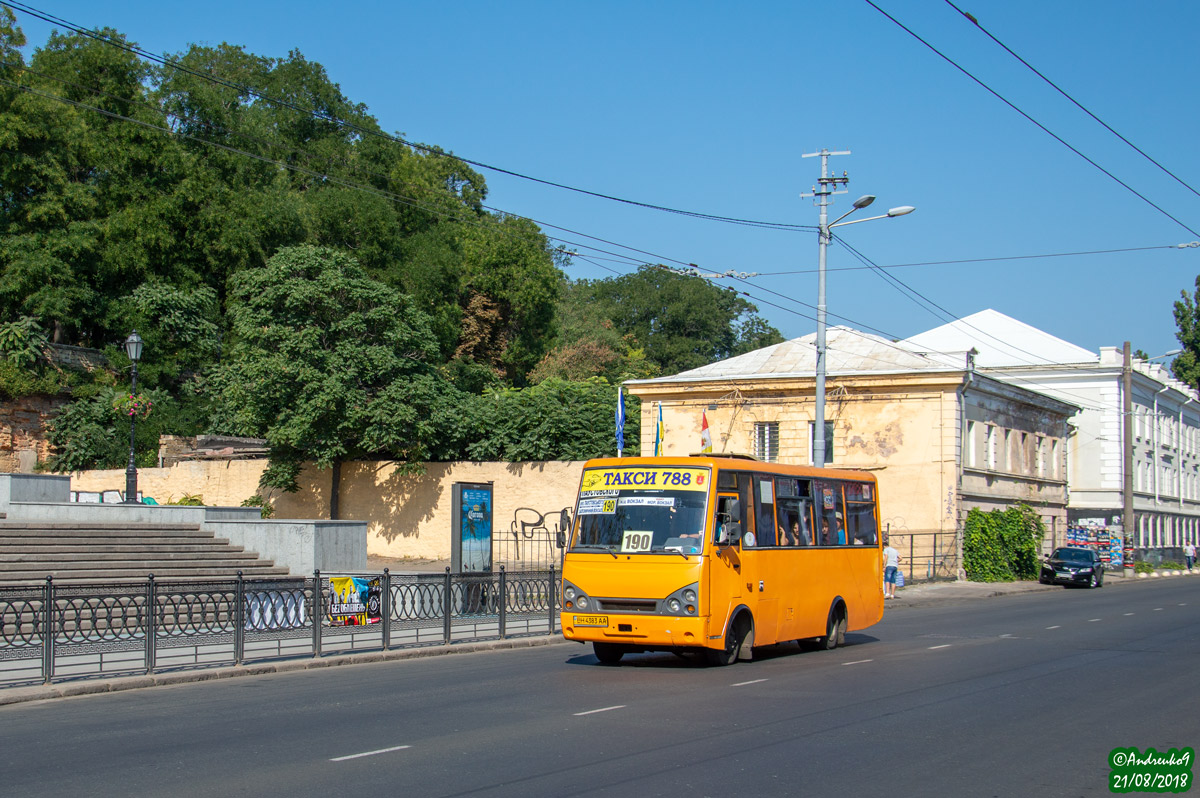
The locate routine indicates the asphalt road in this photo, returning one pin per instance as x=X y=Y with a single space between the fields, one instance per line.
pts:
x=1019 y=695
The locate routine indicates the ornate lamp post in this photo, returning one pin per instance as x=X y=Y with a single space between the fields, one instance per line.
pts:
x=133 y=349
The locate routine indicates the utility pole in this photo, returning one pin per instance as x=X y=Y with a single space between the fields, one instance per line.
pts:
x=828 y=187
x=1127 y=448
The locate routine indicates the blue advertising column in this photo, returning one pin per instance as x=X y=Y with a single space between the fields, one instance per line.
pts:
x=471 y=536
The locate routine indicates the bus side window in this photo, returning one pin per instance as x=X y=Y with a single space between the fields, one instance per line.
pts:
x=831 y=529
x=860 y=514
x=764 y=511
x=730 y=521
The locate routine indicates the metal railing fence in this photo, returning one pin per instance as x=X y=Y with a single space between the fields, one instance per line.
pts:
x=59 y=631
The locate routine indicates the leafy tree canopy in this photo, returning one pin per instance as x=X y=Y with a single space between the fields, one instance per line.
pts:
x=329 y=365
x=681 y=322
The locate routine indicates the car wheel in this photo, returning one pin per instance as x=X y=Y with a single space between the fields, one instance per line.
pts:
x=608 y=653
x=1092 y=583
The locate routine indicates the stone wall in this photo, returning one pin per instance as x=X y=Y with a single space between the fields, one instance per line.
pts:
x=408 y=516
x=23 y=441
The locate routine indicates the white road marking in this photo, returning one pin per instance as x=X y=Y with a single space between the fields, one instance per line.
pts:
x=1093 y=620
x=858 y=662
x=1053 y=627
x=594 y=711
x=370 y=753
x=743 y=684
x=1004 y=636
x=1158 y=609
x=1129 y=613
x=943 y=645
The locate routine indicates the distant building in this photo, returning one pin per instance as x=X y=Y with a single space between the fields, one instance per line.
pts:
x=1166 y=426
x=889 y=409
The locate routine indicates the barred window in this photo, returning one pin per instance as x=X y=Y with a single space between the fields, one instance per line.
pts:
x=766 y=441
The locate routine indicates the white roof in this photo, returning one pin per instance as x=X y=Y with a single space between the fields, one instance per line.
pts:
x=1001 y=341
x=847 y=351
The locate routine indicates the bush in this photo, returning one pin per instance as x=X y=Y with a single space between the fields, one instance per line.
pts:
x=1171 y=565
x=264 y=506
x=1002 y=545
x=1143 y=567
x=188 y=500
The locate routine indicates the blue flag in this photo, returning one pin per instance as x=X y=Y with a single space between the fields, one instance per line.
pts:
x=620 y=419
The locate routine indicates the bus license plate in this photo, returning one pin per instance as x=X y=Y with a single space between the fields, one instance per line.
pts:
x=591 y=620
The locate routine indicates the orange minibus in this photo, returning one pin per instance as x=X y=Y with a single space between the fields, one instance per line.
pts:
x=718 y=555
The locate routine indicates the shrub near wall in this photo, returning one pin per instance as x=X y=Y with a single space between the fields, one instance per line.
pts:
x=1002 y=545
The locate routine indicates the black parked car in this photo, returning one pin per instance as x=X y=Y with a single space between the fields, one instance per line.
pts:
x=1068 y=565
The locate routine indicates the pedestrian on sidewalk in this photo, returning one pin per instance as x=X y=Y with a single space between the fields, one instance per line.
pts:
x=1189 y=551
x=891 y=565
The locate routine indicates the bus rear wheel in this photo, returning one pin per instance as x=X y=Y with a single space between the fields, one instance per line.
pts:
x=608 y=653
x=835 y=630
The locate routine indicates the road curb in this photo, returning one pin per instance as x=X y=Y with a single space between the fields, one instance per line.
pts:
x=21 y=695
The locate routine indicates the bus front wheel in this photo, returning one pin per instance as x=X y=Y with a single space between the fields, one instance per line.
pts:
x=733 y=645
x=608 y=653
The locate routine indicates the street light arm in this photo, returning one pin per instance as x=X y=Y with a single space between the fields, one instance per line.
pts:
x=894 y=212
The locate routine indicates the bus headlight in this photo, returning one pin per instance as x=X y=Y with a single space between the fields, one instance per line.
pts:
x=570 y=592
x=582 y=602
x=681 y=602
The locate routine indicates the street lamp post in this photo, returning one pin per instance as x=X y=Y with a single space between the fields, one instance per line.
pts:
x=829 y=186
x=133 y=349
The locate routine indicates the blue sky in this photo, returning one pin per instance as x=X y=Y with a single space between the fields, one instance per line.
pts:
x=708 y=107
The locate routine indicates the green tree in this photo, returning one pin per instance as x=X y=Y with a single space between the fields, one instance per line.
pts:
x=1186 y=366
x=553 y=420
x=329 y=365
x=683 y=322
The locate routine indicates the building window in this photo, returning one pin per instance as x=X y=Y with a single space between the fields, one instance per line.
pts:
x=812 y=445
x=1039 y=462
x=990 y=446
x=1054 y=464
x=970 y=455
x=766 y=441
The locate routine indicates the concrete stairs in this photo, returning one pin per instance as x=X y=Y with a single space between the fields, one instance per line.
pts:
x=119 y=551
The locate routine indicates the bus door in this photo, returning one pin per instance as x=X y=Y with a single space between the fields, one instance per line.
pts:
x=761 y=572
x=725 y=573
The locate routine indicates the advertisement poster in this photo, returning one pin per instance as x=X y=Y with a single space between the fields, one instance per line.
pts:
x=355 y=600
x=475 y=532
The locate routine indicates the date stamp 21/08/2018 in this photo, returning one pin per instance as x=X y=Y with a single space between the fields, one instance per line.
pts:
x=1134 y=771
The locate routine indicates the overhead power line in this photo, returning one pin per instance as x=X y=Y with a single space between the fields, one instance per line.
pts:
x=1042 y=127
x=1075 y=102
x=366 y=131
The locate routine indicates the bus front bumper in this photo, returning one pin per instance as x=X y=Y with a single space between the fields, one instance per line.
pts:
x=642 y=631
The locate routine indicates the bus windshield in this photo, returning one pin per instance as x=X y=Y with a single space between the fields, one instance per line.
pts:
x=643 y=510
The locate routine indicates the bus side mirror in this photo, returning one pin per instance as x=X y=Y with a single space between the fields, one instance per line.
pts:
x=564 y=527
x=729 y=533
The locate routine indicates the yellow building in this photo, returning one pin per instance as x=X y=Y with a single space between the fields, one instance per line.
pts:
x=911 y=417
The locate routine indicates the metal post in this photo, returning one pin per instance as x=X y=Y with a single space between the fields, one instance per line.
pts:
x=553 y=595
x=386 y=609
x=1127 y=520
x=447 y=606
x=503 y=603
x=239 y=620
x=48 y=632
x=131 y=469
x=150 y=626
x=828 y=186
x=912 y=547
x=318 y=613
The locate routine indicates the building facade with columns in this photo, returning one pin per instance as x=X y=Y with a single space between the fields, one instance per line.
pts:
x=1163 y=447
